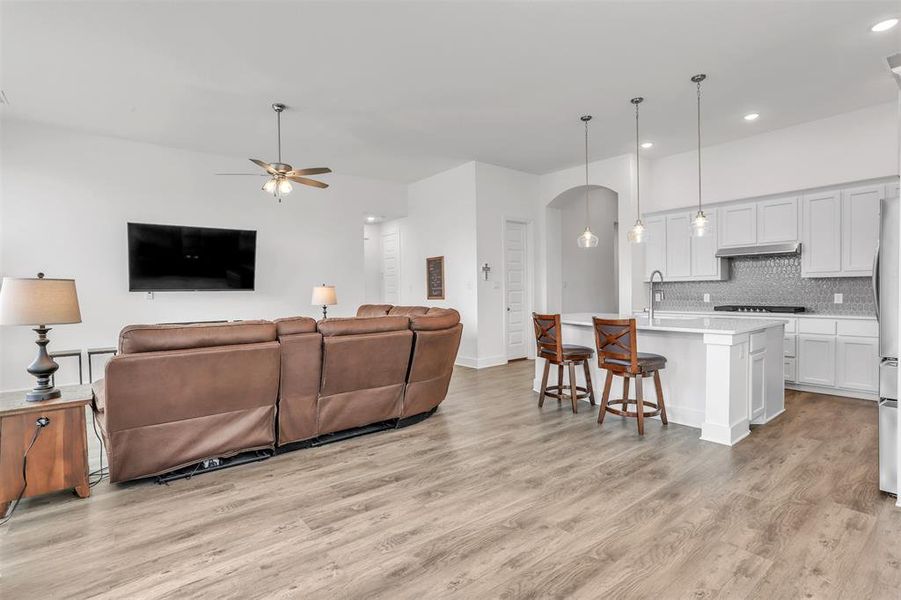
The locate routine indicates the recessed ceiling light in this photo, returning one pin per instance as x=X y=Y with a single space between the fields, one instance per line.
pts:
x=751 y=116
x=647 y=145
x=370 y=219
x=884 y=25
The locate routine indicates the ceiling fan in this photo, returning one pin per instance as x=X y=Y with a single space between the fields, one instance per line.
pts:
x=282 y=174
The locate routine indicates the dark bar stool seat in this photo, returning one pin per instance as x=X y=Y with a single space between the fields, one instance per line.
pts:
x=618 y=353
x=554 y=351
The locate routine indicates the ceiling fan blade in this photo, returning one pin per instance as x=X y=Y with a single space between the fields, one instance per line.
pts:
x=310 y=171
x=265 y=165
x=310 y=182
x=245 y=174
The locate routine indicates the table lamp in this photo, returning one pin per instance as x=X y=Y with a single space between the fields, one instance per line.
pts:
x=39 y=302
x=324 y=295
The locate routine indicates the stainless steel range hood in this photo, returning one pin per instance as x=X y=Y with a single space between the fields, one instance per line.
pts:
x=760 y=250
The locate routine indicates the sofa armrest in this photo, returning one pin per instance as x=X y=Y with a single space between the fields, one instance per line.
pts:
x=99 y=402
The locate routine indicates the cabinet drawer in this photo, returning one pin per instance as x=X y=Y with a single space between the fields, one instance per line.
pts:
x=817 y=326
x=790 y=346
x=858 y=327
x=788 y=369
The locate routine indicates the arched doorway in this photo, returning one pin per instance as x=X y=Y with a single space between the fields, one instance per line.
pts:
x=588 y=277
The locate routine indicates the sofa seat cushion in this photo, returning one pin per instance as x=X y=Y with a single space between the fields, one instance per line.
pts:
x=135 y=339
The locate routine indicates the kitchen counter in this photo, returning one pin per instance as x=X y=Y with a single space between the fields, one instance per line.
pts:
x=721 y=325
x=722 y=373
x=743 y=315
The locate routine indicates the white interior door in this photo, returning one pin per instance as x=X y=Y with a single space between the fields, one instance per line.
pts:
x=515 y=278
x=391 y=268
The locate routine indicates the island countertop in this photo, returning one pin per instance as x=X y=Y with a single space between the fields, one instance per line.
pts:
x=715 y=325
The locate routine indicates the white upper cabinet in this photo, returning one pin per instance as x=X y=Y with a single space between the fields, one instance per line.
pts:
x=678 y=245
x=737 y=225
x=839 y=231
x=655 y=246
x=704 y=263
x=777 y=220
x=821 y=232
x=860 y=228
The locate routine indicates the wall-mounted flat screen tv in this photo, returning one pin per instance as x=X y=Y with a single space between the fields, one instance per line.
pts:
x=171 y=258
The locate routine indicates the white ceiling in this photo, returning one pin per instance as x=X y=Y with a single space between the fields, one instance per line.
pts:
x=401 y=90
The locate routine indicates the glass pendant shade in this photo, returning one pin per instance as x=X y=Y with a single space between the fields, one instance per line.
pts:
x=587 y=239
x=270 y=186
x=284 y=187
x=699 y=224
x=637 y=233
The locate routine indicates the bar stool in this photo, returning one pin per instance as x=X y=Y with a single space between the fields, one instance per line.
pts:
x=551 y=348
x=617 y=347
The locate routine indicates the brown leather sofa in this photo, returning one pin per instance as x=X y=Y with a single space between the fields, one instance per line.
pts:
x=177 y=395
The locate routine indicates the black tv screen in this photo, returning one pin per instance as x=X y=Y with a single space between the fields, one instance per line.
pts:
x=173 y=258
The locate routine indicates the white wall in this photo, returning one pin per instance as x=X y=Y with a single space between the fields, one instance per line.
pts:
x=441 y=221
x=372 y=263
x=501 y=194
x=66 y=198
x=848 y=147
x=588 y=274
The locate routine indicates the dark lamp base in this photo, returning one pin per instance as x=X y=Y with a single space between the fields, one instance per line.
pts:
x=38 y=395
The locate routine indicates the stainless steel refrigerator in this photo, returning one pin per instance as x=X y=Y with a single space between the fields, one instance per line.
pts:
x=885 y=288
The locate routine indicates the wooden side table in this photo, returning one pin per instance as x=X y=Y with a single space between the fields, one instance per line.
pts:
x=59 y=458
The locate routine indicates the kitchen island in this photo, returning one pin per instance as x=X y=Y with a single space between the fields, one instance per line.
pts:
x=721 y=376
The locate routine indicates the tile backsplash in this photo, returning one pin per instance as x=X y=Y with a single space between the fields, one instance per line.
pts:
x=774 y=280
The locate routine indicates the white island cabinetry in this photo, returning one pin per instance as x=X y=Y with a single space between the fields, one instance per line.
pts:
x=722 y=374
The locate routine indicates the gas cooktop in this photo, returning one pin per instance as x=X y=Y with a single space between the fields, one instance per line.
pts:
x=759 y=308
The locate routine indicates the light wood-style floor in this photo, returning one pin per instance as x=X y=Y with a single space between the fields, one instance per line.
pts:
x=492 y=498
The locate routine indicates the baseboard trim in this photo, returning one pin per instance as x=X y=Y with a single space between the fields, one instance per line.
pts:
x=480 y=363
x=829 y=391
x=722 y=434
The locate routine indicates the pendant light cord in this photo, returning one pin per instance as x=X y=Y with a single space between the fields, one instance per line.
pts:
x=587 y=209
x=699 y=147
x=637 y=169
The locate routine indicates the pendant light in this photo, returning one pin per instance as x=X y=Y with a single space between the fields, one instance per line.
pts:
x=699 y=222
x=636 y=234
x=587 y=239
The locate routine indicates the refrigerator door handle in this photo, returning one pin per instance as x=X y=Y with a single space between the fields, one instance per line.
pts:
x=874 y=279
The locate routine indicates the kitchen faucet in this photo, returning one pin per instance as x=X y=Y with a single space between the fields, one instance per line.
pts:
x=651 y=295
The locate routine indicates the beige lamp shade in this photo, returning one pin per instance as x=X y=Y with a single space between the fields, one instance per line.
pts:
x=38 y=302
x=324 y=295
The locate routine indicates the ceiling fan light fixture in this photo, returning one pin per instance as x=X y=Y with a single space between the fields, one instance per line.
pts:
x=271 y=186
x=284 y=187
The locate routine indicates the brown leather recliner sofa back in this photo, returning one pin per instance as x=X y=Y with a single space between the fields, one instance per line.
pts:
x=176 y=395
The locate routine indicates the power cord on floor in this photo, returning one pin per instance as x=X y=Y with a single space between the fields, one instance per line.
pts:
x=38 y=427
x=102 y=472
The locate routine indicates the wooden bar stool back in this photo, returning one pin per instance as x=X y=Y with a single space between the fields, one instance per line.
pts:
x=617 y=347
x=550 y=347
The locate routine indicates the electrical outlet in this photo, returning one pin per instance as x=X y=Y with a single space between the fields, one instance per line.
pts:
x=706 y=297
x=148 y=296
x=838 y=298
x=658 y=296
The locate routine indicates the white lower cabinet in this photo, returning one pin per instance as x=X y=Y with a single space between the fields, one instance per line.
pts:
x=789 y=370
x=816 y=359
x=858 y=364
x=757 y=380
